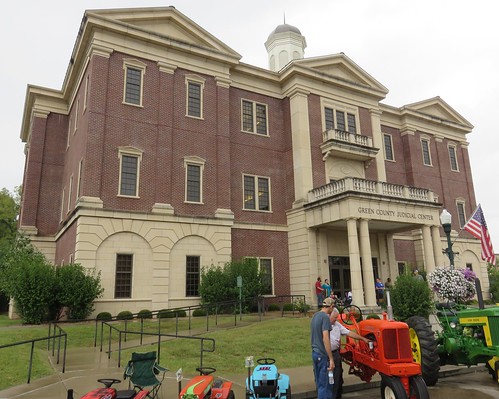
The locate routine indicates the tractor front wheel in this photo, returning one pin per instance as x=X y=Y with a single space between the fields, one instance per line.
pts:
x=424 y=348
x=418 y=388
x=392 y=388
x=287 y=393
x=231 y=395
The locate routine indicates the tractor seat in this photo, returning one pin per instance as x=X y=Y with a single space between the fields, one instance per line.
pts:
x=268 y=390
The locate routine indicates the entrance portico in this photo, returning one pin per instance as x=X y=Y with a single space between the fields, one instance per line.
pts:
x=356 y=220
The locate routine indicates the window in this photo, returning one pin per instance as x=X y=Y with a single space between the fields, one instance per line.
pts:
x=266 y=273
x=194 y=167
x=469 y=266
x=340 y=119
x=256 y=193
x=461 y=213
x=254 y=117
x=123 y=279
x=387 y=139
x=85 y=97
x=425 y=146
x=453 y=158
x=129 y=171
x=192 y=273
x=80 y=171
x=134 y=76
x=69 y=132
x=194 y=98
x=76 y=116
x=70 y=191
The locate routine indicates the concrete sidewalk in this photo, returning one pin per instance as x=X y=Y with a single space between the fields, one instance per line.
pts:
x=85 y=366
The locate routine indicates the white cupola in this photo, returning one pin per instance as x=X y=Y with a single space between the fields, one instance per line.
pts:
x=284 y=45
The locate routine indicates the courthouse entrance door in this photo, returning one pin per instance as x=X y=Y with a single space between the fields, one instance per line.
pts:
x=339 y=275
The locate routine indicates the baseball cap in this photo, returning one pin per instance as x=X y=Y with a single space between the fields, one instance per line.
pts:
x=328 y=302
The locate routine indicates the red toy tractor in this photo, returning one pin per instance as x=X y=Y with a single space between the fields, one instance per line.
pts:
x=389 y=353
x=108 y=392
x=205 y=386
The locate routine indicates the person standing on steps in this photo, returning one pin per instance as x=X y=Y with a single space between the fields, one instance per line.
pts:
x=322 y=356
x=380 y=290
x=327 y=288
x=319 y=291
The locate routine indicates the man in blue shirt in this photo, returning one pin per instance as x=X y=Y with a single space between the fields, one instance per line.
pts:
x=322 y=356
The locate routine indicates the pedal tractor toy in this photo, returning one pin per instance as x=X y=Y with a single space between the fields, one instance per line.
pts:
x=108 y=392
x=388 y=353
x=205 y=386
x=266 y=382
x=468 y=336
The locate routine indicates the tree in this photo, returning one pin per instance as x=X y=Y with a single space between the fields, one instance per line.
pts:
x=9 y=209
x=410 y=297
x=220 y=284
x=29 y=278
x=76 y=288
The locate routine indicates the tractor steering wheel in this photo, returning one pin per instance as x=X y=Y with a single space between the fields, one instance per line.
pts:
x=351 y=314
x=206 y=370
x=108 y=381
x=266 y=360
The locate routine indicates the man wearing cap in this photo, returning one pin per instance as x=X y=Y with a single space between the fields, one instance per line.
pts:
x=418 y=276
x=322 y=357
x=337 y=330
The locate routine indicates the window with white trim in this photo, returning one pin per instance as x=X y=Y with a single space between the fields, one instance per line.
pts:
x=461 y=213
x=123 y=276
x=85 y=97
x=192 y=275
x=194 y=97
x=425 y=148
x=75 y=127
x=388 y=145
x=266 y=273
x=256 y=193
x=134 y=79
x=453 y=158
x=130 y=160
x=80 y=171
x=254 y=117
x=70 y=191
x=69 y=132
x=339 y=118
x=194 y=168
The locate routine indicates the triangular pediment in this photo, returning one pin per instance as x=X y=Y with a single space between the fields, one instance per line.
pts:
x=341 y=67
x=165 y=22
x=437 y=108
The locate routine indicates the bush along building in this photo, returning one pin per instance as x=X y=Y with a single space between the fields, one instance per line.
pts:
x=163 y=153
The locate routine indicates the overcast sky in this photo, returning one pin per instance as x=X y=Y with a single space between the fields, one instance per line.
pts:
x=417 y=49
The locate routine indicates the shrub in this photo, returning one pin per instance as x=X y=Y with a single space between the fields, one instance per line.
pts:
x=288 y=307
x=124 y=315
x=199 y=312
x=170 y=314
x=410 y=297
x=104 y=316
x=145 y=314
x=273 y=307
x=372 y=316
x=493 y=282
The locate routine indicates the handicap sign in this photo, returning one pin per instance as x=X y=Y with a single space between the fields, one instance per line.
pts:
x=248 y=362
x=179 y=375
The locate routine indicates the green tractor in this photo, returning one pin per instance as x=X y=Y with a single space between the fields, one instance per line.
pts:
x=468 y=336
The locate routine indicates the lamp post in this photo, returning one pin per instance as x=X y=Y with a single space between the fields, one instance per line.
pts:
x=446 y=219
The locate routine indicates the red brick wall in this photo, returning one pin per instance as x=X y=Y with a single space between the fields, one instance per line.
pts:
x=256 y=243
x=65 y=245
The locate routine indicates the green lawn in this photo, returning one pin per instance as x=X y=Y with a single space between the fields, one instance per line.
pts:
x=285 y=339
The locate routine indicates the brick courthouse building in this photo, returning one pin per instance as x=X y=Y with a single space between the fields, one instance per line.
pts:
x=163 y=153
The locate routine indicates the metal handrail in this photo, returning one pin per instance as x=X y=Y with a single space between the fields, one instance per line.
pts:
x=61 y=334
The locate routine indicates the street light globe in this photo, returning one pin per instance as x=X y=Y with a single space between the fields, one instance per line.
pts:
x=445 y=217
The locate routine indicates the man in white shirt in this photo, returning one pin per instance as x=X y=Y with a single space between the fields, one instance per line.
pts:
x=337 y=330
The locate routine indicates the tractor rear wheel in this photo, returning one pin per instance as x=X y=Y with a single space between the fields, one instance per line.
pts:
x=231 y=395
x=496 y=374
x=287 y=393
x=424 y=348
x=418 y=388
x=392 y=388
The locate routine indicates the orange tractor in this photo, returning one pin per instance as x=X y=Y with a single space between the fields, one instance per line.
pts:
x=388 y=353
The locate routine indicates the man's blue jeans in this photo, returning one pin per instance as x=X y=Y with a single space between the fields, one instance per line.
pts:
x=321 y=363
x=320 y=299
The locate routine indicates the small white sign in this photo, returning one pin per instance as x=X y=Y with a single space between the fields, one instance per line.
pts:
x=179 y=375
x=248 y=362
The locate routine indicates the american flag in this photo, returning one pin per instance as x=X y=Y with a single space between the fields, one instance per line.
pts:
x=477 y=227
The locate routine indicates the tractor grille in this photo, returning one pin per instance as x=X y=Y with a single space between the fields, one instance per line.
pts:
x=396 y=344
x=494 y=329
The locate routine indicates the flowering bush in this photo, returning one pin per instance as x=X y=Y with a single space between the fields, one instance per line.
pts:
x=456 y=285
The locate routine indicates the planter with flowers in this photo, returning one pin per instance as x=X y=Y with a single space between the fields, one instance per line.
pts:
x=453 y=285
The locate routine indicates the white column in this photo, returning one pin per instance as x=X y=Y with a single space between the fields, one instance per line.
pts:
x=437 y=246
x=392 y=260
x=378 y=142
x=355 y=273
x=429 y=257
x=367 y=264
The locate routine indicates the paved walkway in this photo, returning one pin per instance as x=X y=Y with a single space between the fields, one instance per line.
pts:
x=85 y=366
